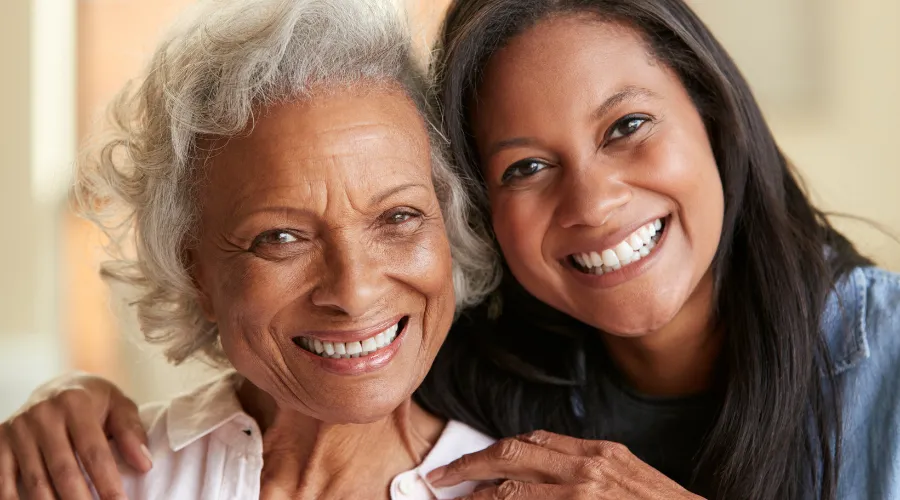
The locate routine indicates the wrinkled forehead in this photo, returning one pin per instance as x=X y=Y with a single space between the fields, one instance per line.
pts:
x=364 y=139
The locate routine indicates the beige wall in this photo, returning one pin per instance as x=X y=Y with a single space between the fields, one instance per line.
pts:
x=17 y=264
x=847 y=150
x=30 y=348
x=843 y=136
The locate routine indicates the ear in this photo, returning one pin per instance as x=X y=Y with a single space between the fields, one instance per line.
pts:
x=195 y=270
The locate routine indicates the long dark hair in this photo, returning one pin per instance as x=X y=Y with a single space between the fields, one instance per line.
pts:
x=777 y=433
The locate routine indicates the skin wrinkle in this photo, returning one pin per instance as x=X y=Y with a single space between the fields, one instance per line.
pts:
x=547 y=85
x=326 y=169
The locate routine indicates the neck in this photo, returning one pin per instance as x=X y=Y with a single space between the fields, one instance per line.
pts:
x=678 y=360
x=308 y=458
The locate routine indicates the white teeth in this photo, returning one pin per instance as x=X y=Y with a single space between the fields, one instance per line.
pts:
x=369 y=345
x=637 y=245
x=644 y=234
x=610 y=258
x=354 y=348
x=636 y=242
x=339 y=350
x=624 y=253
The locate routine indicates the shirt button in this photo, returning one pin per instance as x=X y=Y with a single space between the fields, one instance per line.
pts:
x=407 y=484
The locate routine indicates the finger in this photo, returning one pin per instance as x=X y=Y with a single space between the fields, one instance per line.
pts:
x=508 y=459
x=571 y=445
x=523 y=491
x=125 y=427
x=59 y=458
x=96 y=455
x=609 y=464
x=8 y=490
x=35 y=481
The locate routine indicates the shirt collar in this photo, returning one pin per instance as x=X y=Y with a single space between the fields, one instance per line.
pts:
x=844 y=322
x=198 y=413
x=458 y=439
x=193 y=415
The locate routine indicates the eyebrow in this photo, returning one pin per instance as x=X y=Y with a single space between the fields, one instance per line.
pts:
x=627 y=93
x=380 y=197
x=375 y=199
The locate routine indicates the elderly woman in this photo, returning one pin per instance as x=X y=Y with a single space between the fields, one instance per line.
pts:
x=291 y=212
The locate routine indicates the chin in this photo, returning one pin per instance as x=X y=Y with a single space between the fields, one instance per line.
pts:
x=363 y=407
x=633 y=323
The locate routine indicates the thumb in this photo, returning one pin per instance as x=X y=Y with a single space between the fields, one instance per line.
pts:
x=124 y=426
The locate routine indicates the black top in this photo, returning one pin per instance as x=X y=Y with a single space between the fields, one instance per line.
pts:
x=666 y=433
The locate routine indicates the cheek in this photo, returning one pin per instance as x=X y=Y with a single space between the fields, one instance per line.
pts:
x=424 y=263
x=254 y=289
x=424 y=268
x=427 y=268
x=689 y=175
x=250 y=294
x=519 y=223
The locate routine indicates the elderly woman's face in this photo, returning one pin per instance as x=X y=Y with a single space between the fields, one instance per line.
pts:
x=323 y=257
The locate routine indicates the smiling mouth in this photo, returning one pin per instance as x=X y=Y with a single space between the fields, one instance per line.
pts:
x=356 y=349
x=632 y=249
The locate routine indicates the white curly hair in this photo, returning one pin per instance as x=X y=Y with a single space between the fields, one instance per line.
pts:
x=225 y=60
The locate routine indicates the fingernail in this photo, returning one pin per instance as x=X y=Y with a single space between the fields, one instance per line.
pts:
x=434 y=477
x=146 y=453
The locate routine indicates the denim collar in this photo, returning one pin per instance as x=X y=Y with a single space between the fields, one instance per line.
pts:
x=844 y=321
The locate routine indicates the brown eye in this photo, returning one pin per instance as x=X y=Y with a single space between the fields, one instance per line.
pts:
x=400 y=216
x=275 y=237
x=523 y=168
x=627 y=126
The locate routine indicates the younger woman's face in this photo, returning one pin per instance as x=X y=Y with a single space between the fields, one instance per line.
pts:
x=606 y=198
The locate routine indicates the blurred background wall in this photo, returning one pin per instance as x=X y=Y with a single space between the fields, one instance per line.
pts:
x=827 y=73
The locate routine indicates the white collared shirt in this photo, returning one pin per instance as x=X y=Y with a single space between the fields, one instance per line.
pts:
x=204 y=446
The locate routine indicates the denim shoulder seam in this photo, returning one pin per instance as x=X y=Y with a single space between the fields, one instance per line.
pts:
x=860 y=282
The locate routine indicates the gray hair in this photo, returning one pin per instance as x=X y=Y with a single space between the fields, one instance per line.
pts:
x=207 y=79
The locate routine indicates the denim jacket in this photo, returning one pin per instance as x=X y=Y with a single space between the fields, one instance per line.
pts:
x=862 y=327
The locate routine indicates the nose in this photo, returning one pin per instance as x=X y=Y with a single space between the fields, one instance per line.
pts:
x=590 y=196
x=353 y=282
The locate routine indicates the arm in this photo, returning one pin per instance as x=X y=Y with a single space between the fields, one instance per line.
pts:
x=73 y=414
